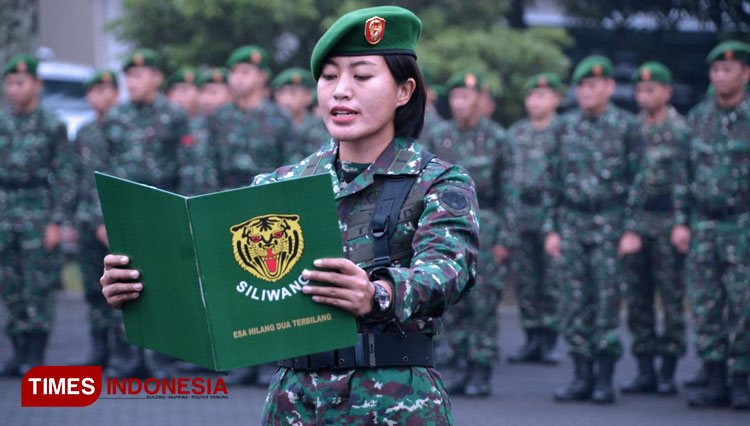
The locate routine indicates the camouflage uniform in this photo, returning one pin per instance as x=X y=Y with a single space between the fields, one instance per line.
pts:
x=197 y=174
x=91 y=150
x=537 y=293
x=587 y=203
x=485 y=151
x=244 y=144
x=658 y=266
x=36 y=181
x=718 y=265
x=428 y=278
x=311 y=136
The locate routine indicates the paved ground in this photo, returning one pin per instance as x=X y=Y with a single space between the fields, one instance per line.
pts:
x=522 y=393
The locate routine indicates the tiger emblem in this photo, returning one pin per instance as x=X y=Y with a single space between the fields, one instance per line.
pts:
x=268 y=246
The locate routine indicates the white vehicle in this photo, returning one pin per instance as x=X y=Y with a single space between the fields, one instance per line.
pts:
x=63 y=93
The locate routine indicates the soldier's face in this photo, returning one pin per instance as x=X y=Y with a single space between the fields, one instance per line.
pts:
x=142 y=82
x=652 y=95
x=358 y=97
x=212 y=96
x=245 y=79
x=541 y=102
x=184 y=95
x=593 y=93
x=293 y=98
x=728 y=77
x=464 y=103
x=101 y=97
x=22 y=89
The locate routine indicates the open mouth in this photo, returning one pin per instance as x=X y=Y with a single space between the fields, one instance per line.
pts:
x=270 y=260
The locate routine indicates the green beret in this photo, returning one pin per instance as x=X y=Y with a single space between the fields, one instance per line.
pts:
x=101 y=77
x=729 y=50
x=439 y=89
x=143 y=58
x=296 y=76
x=653 y=71
x=467 y=78
x=382 y=30
x=253 y=55
x=187 y=75
x=545 y=79
x=22 y=62
x=592 y=66
x=213 y=75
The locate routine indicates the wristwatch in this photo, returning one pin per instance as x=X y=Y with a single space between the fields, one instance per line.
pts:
x=381 y=301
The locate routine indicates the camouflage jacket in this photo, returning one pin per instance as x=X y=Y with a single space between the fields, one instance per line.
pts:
x=662 y=168
x=310 y=136
x=593 y=166
x=91 y=156
x=486 y=151
x=719 y=159
x=534 y=148
x=142 y=141
x=197 y=173
x=36 y=169
x=244 y=144
x=442 y=264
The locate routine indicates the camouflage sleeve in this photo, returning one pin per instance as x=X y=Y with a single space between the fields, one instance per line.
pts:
x=552 y=183
x=636 y=190
x=683 y=176
x=445 y=246
x=509 y=196
x=63 y=175
x=196 y=167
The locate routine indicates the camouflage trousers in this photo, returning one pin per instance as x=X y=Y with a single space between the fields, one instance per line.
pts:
x=537 y=292
x=590 y=294
x=470 y=327
x=101 y=315
x=657 y=267
x=363 y=396
x=27 y=286
x=718 y=275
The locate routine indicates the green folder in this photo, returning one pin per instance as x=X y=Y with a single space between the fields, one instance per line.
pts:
x=222 y=271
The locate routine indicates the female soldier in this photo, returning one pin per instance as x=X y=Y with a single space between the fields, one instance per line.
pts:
x=399 y=274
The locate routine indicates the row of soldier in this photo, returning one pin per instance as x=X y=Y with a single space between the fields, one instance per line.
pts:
x=610 y=198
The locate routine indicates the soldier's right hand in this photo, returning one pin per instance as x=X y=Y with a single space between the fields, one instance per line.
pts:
x=117 y=283
x=553 y=244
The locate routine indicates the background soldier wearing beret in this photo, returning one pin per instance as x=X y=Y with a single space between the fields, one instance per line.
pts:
x=91 y=155
x=36 y=195
x=658 y=266
x=143 y=136
x=483 y=147
x=588 y=206
x=534 y=140
x=719 y=223
x=293 y=90
x=214 y=91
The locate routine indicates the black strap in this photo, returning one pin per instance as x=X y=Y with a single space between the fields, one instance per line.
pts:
x=387 y=208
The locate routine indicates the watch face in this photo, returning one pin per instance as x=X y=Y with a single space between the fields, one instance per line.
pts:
x=382 y=298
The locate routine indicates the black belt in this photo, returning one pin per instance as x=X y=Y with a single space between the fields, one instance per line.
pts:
x=531 y=198
x=724 y=212
x=594 y=206
x=372 y=350
x=23 y=184
x=659 y=204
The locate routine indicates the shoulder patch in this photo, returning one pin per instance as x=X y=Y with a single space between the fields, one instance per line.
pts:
x=455 y=202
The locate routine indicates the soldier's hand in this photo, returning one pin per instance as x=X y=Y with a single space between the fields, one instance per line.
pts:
x=553 y=244
x=52 y=236
x=117 y=285
x=500 y=253
x=629 y=243
x=681 y=238
x=101 y=235
x=351 y=289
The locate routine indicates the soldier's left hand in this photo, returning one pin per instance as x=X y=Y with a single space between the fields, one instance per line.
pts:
x=52 y=236
x=630 y=243
x=351 y=289
x=500 y=253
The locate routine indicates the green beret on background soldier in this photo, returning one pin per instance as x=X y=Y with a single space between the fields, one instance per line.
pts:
x=293 y=90
x=91 y=155
x=484 y=148
x=36 y=198
x=658 y=267
x=534 y=140
x=589 y=226
x=714 y=219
